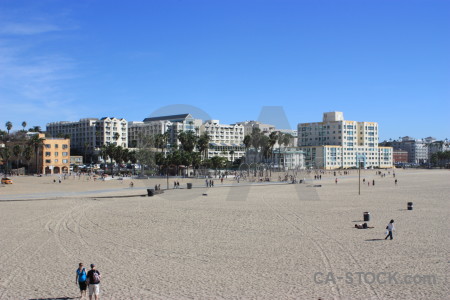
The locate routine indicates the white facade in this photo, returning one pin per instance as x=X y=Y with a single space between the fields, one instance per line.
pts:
x=172 y=125
x=92 y=133
x=289 y=158
x=224 y=139
x=138 y=130
x=338 y=143
x=249 y=125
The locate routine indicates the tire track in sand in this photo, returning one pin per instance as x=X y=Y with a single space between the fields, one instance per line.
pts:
x=345 y=250
x=325 y=259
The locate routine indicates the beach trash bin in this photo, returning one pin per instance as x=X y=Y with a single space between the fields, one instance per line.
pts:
x=366 y=216
x=189 y=185
x=410 y=206
x=150 y=192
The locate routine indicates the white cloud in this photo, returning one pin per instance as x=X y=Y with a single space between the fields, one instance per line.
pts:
x=26 y=28
x=33 y=80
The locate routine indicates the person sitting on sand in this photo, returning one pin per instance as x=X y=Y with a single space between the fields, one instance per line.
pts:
x=363 y=226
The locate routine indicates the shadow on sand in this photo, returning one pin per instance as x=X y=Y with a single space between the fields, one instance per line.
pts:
x=373 y=240
x=58 y=298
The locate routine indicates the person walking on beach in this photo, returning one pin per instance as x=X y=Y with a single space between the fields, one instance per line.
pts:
x=390 y=228
x=395 y=181
x=93 y=279
x=335 y=180
x=80 y=279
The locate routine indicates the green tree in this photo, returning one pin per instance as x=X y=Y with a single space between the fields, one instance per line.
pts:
x=6 y=155
x=36 y=143
x=24 y=124
x=232 y=155
x=203 y=144
x=28 y=154
x=218 y=162
x=104 y=155
x=188 y=140
x=9 y=126
x=17 y=151
x=110 y=152
x=116 y=137
x=247 y=143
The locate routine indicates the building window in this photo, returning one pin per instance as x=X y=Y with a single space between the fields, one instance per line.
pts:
x=48 y=146
x=56 y=146
x=48 y=153
x=65 y=146
x=47 y=161
x=56 y=160
x=56 y=153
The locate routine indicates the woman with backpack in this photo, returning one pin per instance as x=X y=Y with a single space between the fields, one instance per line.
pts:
x=80 y=280
x=93 y=281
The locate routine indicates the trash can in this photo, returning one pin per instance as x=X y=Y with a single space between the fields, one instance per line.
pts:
x=410 y=206
x=150 y=192
x=189 y=185
x=366 y=216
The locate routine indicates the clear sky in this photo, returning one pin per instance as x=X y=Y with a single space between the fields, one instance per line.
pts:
x=386 y=61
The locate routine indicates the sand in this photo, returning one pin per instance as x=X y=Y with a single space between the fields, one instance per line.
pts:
x=238 y=242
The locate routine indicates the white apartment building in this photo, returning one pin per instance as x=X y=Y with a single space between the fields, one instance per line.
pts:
x=249 y=125
x=92 y=133
x=138 y=130
x=172 y=124
x=225 y=140
x=338 y=143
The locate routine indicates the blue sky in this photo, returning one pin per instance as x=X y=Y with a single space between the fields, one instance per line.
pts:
x=383 y=61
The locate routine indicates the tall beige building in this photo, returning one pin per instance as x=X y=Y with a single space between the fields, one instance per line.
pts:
x=339 y=143
x=55 y=156
x=92 y=133
x=225 y=140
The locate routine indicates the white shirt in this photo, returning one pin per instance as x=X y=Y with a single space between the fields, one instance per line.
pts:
x=390 y=227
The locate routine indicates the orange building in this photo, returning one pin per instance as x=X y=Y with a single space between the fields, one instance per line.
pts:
x=55 y=156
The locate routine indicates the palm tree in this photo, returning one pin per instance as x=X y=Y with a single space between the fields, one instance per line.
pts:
x=27 y=154
x=203 y=144
x=264 y=144
x=86 y=147
x=273 y=138
x=5 y=153
x=232 y=156
x=8 y=125
x=116 y=136
x=110 y=152
x=17 y=150
x=256 y=137
x=188 y=140
x=37 y=143
x=104 y=155
x=247 y=142
x=24 y=124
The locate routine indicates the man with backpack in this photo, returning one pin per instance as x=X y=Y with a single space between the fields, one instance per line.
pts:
x=93 y=281
x=80 y=280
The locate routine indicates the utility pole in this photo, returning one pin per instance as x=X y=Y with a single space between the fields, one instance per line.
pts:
x=359 y=177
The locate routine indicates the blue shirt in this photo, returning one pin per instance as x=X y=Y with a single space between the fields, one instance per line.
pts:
x=81 y=275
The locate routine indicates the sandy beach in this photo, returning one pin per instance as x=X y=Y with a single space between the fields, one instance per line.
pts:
x=240 y=241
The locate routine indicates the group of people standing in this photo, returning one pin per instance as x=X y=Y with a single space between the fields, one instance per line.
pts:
x=90 y=279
